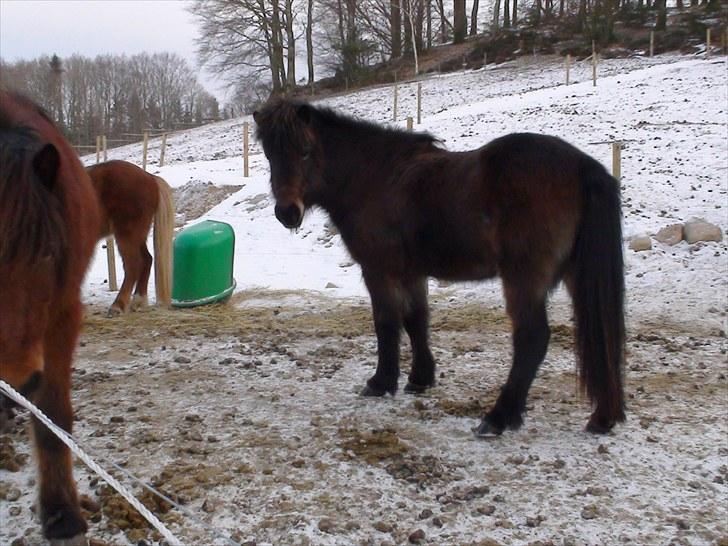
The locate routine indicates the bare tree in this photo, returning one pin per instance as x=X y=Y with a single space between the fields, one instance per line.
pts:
x=246 y=38
x=460 y=23
x=309 y=41
x=474 y=19
x=410 y=9
x=396 y=28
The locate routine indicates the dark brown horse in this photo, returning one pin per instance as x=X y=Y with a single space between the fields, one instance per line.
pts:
x=130 y=200
x=530 y=209
x=49 y=223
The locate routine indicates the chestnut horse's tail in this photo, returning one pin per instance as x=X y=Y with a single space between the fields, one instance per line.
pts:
x=163 y=232
x=597 y=286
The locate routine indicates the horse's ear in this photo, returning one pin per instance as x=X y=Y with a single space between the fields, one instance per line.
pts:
x=46 y=163
x=304 y=112
x=256 y=117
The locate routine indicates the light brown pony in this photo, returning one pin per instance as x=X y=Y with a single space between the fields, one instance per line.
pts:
x=49 y=222
x=130 y=199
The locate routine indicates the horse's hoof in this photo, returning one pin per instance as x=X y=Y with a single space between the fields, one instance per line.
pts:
x=597 y=426
x=138 y=302
x=414 y=388
x=66 y=527
x=78 y=540
x=370 y=392
x=114 y=312
x=486 y=430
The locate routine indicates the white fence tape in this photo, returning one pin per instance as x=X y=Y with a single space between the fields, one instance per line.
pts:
x=14 y=395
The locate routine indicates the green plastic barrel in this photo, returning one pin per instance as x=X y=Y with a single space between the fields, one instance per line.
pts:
x=203 y=264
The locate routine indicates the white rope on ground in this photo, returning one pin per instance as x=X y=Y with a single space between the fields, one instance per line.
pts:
x=14 y=395
x=176 y=505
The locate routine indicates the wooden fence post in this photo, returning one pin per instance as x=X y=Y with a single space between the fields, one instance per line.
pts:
x=409 y=123
x=111 y=263
x=394 y=108
x=419 y=103
x=162 y=150
x=110 y=254
x=485 y=59
x=707 y=43
x=594 y=64
x=568 y=67
x=617 y=160
x=246 y=130
x=145 y=146
x=652 y=43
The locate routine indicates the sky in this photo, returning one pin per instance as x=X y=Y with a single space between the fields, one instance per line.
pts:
x=29 y=28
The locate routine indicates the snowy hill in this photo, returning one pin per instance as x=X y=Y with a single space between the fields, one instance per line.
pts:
x=669 y=111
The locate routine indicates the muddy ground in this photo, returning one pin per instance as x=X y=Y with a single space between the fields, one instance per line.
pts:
x=248 y=414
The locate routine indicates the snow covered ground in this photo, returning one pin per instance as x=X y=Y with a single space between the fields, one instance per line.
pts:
x=249 y=413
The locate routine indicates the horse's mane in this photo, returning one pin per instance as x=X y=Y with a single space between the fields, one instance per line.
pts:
x=31 y=220
x=280 y=121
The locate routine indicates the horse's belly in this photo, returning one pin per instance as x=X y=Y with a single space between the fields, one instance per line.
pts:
x=464 y=264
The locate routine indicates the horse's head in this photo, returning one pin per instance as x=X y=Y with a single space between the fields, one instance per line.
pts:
x=32 y=248
x=286 y=132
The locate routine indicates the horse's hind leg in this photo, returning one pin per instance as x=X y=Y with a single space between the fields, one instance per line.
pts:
x=416 y=324
x=140 y=292
x=386 y=296
x=132 y=267
x=59 y=508
x=530 y=340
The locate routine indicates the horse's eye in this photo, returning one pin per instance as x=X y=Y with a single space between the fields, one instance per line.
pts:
x=306 y=156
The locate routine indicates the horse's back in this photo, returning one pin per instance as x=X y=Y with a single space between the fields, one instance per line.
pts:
x=127 y=194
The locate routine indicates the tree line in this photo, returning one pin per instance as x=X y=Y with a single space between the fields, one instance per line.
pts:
x=113 y=95
x=256 y=44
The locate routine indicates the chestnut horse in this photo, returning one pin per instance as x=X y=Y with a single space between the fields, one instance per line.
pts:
x=49 y=223
x=130 y=200
x=531 y=209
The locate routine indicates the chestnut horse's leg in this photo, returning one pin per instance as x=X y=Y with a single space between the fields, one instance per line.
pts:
x=386 y=296
x=416 y=324
x=132 y=267
x=59 y=508
x=140 y=292
x=530 y=340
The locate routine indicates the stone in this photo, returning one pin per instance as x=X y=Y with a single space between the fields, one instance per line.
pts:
x=425 y=514
x=486 y=510
x=417 y=537
x=589 y=512
x=13 y=494
x=383 y=527
x=699 y=230
x=670 y=235
x=325 y=525
x=640 y=243
x=331 y=285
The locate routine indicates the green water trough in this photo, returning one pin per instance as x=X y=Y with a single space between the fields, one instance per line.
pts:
x=203 y=264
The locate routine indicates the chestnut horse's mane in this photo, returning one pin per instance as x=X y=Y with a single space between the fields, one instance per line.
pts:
x=31 y=220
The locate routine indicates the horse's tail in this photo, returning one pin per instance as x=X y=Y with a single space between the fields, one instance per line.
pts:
x=598 y=294
x=163 y=232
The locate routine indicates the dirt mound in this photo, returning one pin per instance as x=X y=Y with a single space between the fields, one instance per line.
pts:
x=196 y=198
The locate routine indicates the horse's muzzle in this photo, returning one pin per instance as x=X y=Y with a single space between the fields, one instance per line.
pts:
x=291 y=215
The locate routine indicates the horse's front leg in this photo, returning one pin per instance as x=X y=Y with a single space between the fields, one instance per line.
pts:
x=60 y=513
x=386 y=296
x=416 y=323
